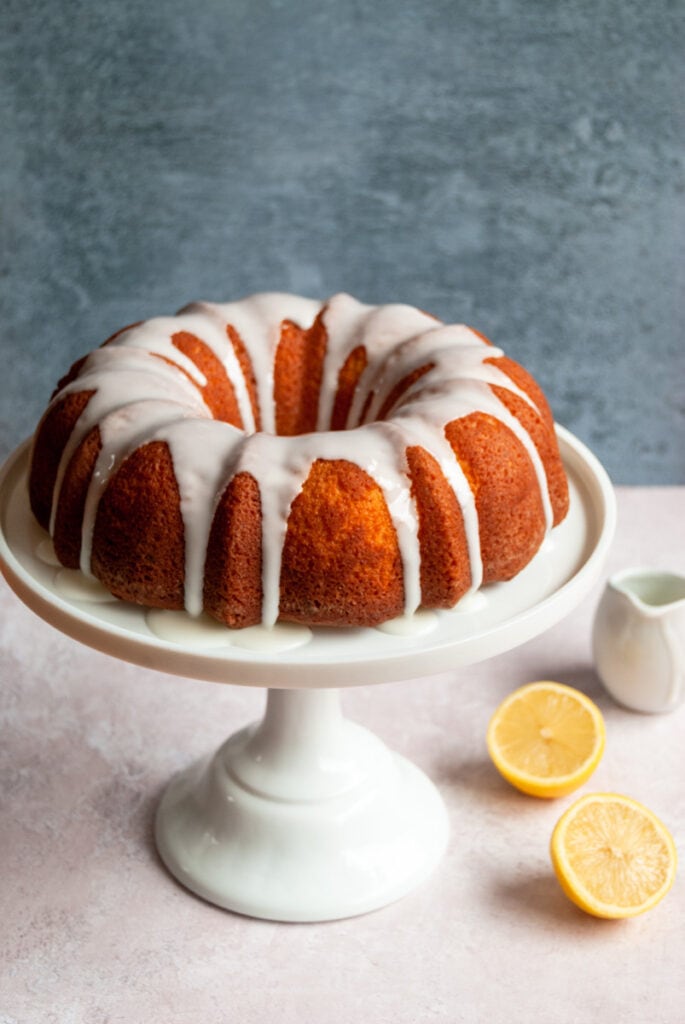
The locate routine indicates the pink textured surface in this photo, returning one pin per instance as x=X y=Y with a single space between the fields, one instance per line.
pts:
x=93 y=929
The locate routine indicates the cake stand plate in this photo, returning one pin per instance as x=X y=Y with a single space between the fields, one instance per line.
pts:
x=306 y=816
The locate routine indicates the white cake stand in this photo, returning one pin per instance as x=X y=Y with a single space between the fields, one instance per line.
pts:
x=306 y=816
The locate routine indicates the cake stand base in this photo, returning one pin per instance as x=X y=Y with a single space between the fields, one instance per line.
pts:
x=304 y=816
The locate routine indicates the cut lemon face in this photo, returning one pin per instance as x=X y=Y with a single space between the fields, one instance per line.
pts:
x=612 y=856
x=546 y=739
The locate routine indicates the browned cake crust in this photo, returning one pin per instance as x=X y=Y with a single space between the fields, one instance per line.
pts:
x=233 y=573
x=340 y=549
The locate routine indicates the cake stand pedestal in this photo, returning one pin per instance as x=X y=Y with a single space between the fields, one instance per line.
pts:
x=306 y=816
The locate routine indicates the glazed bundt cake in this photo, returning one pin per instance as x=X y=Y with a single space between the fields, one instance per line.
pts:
x=279 y=458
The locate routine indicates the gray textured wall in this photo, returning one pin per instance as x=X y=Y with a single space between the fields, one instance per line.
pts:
x=517 y=165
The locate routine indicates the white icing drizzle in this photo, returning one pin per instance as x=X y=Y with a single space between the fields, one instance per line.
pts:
x=179 y=628
x=282 y=637
x=74 y=585
x=121 y=433
x=154 y=337
x=205 y=321
x=203 y=632
x=46 y=552
x=344 y=319
x=258 y=321
x=418 y=624
x=386 y=329
x=138 y=398
x=472 y=603
x=428 y=433
x=118 y=377
x=203 y=453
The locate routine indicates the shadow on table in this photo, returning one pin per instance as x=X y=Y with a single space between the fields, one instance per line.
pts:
x=584 y=678
x=148 y=816
x=479 y=777
x=538 y=896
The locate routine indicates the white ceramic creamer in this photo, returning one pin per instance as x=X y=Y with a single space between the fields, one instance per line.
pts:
x=639 y=639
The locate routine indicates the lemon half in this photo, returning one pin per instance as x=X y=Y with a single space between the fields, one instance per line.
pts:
x=546 y=739
x=612 y=856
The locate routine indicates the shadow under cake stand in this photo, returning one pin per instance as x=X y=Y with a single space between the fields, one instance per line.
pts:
x=307 y=816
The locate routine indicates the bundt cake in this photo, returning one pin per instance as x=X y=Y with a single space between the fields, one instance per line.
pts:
x=332 y=464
